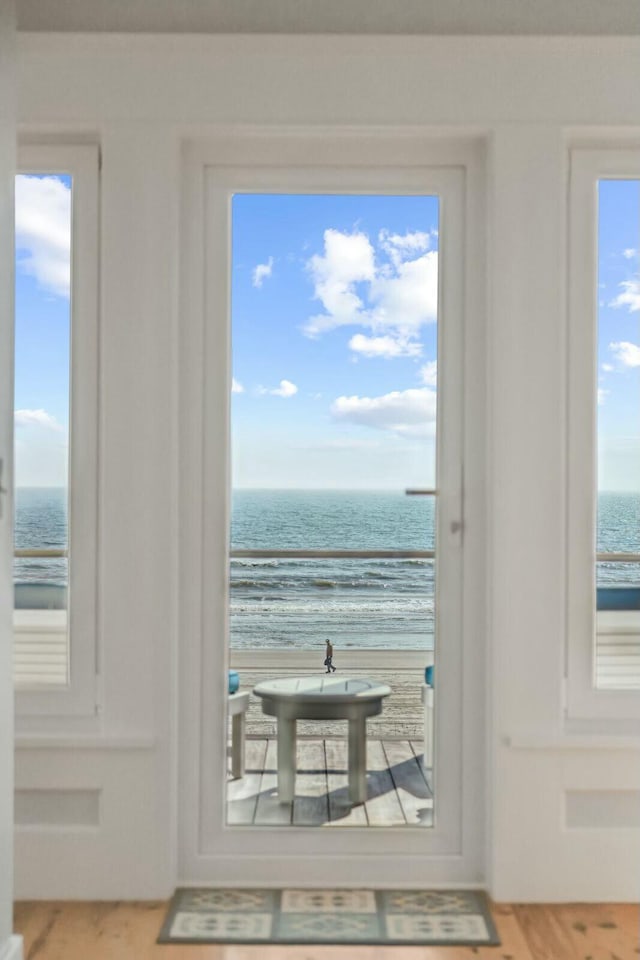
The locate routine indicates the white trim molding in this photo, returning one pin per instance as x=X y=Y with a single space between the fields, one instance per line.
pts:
x=585 y=701
x=370 y=163
x=76 y=700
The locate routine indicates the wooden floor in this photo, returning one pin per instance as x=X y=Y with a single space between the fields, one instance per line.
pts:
x=398 y=789
x=127 y=931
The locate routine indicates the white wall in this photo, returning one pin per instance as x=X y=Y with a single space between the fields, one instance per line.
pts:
x=129 y=851
x=10 y=947
x=141 y=97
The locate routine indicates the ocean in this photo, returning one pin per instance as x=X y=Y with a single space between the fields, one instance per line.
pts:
x=290 y=603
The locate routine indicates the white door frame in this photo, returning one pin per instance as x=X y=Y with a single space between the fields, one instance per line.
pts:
x=209 y=851
x=10 y=946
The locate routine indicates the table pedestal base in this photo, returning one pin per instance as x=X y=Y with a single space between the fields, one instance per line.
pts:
x=357 y=764
x=237 y=707
x=286 y=759
x=353 y=699
x=357 y=760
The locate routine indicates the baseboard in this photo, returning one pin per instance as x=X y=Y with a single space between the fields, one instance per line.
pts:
x=12 y=949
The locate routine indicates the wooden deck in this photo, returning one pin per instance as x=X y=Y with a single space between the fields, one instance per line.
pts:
x=398 y=791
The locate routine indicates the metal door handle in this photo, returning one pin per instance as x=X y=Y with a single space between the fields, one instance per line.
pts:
x=3 y=490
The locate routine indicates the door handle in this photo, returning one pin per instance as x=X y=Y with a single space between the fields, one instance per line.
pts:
x=3 y=490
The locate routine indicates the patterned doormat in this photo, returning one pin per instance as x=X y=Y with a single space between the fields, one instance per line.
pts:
x=421 y=917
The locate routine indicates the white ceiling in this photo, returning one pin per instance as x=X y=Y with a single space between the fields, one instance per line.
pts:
x=508 y=17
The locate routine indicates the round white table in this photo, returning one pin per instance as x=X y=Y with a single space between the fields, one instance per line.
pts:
x=322 y=698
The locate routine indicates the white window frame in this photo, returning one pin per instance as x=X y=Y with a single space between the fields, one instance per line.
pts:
x=584 y=701
x=77 y=699
x=213 y=172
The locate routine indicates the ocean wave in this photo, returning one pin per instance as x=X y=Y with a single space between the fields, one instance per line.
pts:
x=385 y=563
x=258 y=584
x=373 y=608
x=295 y=587
x=255 y=562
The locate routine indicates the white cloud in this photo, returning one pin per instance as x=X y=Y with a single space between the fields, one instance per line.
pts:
x=630 y=296
x=348 y=259
x=601 y=396
x=429 y=373
x=286 y=389
x=630 y=253
x=385 y=347
x=409 y=299
x=406 y=412
x=236 y=386
x=262 y=271
x=43 y=231
x=37 y=418
x=628 y=354
x=607 y=367
x=400 y=247
x=397 y=295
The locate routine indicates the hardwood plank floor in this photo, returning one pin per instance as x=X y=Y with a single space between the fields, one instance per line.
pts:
x=568 y=931
x=127 y=931
x=398 y=793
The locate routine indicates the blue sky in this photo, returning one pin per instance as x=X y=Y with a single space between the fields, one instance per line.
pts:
x=619 y=335
x=334 y=338
x=42 y=306
x=334 y=302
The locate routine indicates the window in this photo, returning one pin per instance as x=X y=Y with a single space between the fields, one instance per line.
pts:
x=604 y=437
x=56 y=430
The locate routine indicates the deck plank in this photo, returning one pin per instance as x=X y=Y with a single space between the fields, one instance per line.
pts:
x=269 y=810
x=311 y=802
x=242 y=794
x=398 y=792
x=411 y=787
x=418 y=748
x=341 y=811
x=382 y=806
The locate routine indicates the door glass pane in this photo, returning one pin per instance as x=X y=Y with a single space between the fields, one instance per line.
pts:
x=618 y=567
x=42 y=363
x=334 y=353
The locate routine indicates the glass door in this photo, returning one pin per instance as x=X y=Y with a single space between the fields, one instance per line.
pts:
x=334 y=477
x=329 y=446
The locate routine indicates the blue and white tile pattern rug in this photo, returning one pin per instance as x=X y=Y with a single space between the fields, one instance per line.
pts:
x=301 y=916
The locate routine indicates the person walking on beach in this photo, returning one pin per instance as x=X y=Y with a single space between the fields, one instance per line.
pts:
x=329 y=657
